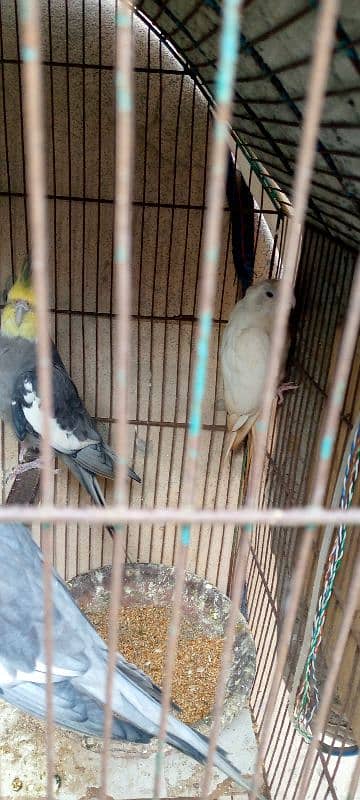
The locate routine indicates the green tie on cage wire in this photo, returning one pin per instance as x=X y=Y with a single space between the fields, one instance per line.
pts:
x=307 y=694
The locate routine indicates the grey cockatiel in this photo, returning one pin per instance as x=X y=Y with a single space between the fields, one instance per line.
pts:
x=244 y=358
x=74 y=436
x=79 y=661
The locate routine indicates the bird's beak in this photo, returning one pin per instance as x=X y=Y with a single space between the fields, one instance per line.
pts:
x=20 y=309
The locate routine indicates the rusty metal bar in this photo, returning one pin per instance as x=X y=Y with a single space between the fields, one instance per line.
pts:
x=330 y=683
x=354 y=780
x=116 y=515
x=37 y=187
x=326 y=448
x=210 y=255
x=312 y=115
x=322 y=49
x=338 y=390
x=226 y=658
x=124 y=136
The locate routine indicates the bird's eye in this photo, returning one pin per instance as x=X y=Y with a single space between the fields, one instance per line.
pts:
x=269 y=294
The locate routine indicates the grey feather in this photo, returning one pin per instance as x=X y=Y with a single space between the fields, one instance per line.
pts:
x=72 y=709
x=18 y=361
x=71 y=416
x=79 y=697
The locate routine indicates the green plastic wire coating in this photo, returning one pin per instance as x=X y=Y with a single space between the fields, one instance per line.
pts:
x=308 y=698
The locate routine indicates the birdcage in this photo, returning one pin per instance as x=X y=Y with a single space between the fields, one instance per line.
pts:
x=280 y=174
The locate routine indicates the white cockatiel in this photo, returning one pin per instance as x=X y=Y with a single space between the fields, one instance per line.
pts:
x=244 y=358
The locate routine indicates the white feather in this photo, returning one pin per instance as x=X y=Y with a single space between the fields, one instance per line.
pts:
x=245 y=352
x=65 y=441
x=38 y=675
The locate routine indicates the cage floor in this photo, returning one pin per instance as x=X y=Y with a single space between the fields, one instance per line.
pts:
x=78 y=763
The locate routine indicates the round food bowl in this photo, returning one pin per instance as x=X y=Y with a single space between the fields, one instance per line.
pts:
x=204 y=608
x=131 y=766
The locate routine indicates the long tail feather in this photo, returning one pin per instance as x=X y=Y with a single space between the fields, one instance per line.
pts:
x=91 y=485
x=239 y=434
x=194 y=744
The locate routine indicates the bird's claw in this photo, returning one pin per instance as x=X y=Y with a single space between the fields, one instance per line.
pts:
x=285 y=387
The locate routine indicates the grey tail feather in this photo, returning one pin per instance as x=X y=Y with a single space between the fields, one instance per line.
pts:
x=221 y=761
x=133 y=475
x=91 y=484
x=195 y=744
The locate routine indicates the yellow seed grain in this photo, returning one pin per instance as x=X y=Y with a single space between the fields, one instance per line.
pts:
x=142 y=640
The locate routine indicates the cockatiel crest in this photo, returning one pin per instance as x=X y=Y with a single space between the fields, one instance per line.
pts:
x=244 y=356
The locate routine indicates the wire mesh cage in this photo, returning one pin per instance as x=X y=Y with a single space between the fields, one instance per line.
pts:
x=175 y=118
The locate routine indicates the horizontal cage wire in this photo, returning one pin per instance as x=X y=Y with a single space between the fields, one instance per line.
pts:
x=122 y=210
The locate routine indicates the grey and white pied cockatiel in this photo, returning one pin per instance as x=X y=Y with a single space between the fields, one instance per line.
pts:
x=79 y=661
x=74 y=436
x=244 y=358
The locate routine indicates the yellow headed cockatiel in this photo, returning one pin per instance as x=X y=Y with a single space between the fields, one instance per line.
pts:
x=74 y=436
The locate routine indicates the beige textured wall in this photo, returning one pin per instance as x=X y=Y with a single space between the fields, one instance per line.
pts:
x=172 y=122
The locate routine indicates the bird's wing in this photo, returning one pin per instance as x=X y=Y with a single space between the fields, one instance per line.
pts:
x=244 y=358
x=100 y=459
x=22 y=615
x=73 y=433
x=78 y=650
x=142 y=681
x=22 y=660
x=79 y=663
x=72 y=709
x=71 y=426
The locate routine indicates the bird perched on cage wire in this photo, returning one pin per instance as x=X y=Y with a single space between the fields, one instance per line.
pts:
x=79 y=664
x=244 y=356
x=74 y=435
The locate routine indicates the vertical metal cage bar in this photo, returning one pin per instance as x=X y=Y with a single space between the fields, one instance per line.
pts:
x=322 y=474
x=209 y=263
x=122 y=257
x=281 y=477
x=37 y=190
x=229 y=637
x=354 y=780
x=332 y=417
x=330 y=683
x=338 y=390
x=322 y=50
x=36 y=182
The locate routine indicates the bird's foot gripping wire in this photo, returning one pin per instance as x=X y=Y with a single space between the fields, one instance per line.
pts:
x=285 y=387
